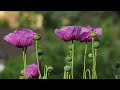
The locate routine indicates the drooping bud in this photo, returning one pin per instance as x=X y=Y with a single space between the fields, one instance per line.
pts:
x=49 y=69
x=67 y=68
x=93 y=34
x=37 y=37
x=68 y=59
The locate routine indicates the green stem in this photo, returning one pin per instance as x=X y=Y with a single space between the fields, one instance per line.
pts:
x=84 y=73
x=116 y=77
x=24 y=61
x=93 y=76
x=67 y=75
x=25 y=58
x=37 y=59
x=95 y=63
x=72 y=59
x=45 y=71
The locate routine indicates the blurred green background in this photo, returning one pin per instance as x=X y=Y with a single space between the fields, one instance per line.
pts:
x=55 y=50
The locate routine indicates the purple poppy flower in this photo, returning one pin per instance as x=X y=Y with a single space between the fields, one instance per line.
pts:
x=86 y=33
x=20 y=38
x=68 y=33
x=32 y=71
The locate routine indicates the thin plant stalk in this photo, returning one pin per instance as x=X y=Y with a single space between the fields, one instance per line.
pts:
x=116 y=76
x=37 y=59
x=25 y=58
x=84 y=72
x=95 y=63
x=72 y=60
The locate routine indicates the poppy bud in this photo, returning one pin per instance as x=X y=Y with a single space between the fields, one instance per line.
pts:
x=37 y=37
x=50 y=68
x=40 y=52
x=96 y=44
x=90 y=55
x=93 y=34
x=68 y=58
x=67 y=68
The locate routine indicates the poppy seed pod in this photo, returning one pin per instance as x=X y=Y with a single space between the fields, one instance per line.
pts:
x=96 y=44
x=68 y=58
x=117 y=65
x=40 y=52
x=37 y=37
x=67 y=68
x=90 y=55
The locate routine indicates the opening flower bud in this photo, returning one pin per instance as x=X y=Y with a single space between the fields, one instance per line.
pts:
x=90 y=55
x=40 y=52
x=68 y=59
x=117 y=65
x=50 y=68
x=93 y=34
x=96 y=44
x=37 y=37
x=67 y=68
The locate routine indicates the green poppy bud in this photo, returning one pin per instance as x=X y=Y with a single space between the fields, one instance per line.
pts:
x=40 y=52
x=117 y=65
x=93 y=34
x=68 y=59
x=37 y=37
x=49 y=69
x=90 y=55
x=96 y=44
x=67 y=68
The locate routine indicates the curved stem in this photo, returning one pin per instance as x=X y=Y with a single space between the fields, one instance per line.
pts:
x=72 y=59
x=88 y=73
x=84 y=73
x=25 y=58
x=37 y=59
x=45 y=71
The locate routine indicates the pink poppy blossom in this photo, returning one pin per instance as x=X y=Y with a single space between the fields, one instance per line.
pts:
x=32 y=71
x=20 y=38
